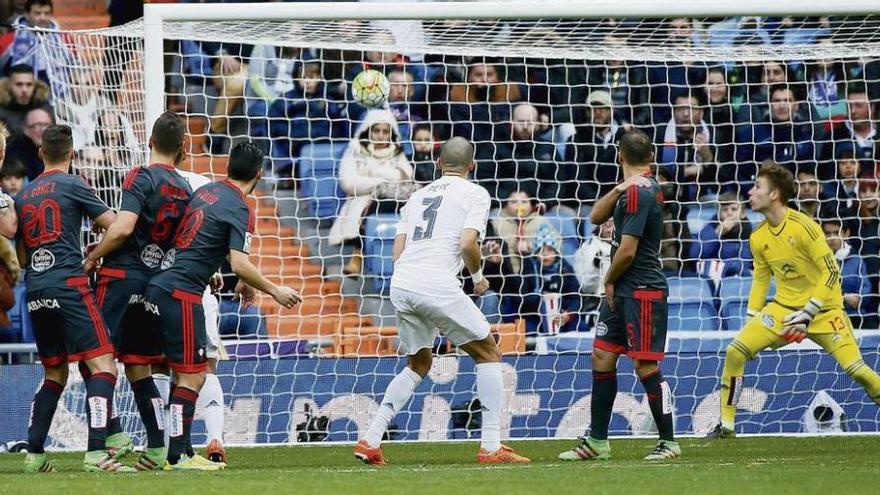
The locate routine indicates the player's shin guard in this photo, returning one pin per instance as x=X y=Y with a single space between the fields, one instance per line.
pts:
x=211 y=400
x=867 y=378
x=490 y=390
x=602 y=402
x=99 y=396
x=396 y=395
x=660 y=402
x=181 y=410
x=731 y=381
x=42 y=412
x=152 y=410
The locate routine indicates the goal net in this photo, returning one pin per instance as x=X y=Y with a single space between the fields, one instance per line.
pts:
x=545 y=102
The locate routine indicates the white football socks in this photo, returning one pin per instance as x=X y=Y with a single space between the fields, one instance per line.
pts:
x=396 y=395
x=490 y=390
x=211 y=400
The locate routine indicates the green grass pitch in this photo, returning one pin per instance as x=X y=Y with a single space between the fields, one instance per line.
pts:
x=773 y=465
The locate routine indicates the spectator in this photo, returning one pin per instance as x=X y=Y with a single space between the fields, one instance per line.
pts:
x=854 y=276
x=772 y=72
x=675 y=245
x=271 y=76
x=723 y=246
x=865 y=229
x=719 y=118
x=20 y=93
x=377 y=177
x=478 y=109
x=25 y=147
x=84 y=107
x=549 y=280
x=527 y=159
x=781 y=134
x=516 y=225
x=401 y=104
x=626 y=84
x=24 y=48
x=668 y=80
x=593 y=149
x=305 y=114
x=9 y=275
x=825 y=80
x=12 y=175
x=859 y=130
x=845 y=188
x=592 y=261
x=424 y=157
x=811 y=200
x=687 y=149
x=116 y=137
x=498 y=271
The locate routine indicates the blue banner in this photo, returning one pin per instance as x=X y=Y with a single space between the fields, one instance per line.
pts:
x=547 y=396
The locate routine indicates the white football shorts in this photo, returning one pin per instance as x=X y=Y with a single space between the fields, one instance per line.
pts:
x=421 y=317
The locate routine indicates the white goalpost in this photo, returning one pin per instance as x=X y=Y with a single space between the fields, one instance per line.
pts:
x=542 y=89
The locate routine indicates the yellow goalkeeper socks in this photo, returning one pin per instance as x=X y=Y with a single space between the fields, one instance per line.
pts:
x=731 y=381
x=868 y=378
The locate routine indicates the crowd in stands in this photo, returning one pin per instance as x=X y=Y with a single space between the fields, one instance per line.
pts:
x=546 y=134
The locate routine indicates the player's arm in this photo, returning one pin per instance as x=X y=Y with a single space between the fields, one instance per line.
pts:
x=472 y=257
x=760 y=279
x=116 y=234
x=249 y=274
x=604 y=208
x=8 y=218
x=397 y=249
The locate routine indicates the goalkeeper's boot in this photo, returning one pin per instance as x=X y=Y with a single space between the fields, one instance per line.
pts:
x=119 y=445
x=369 y=455
x=205 y=461
x=38 y=463
x=187 y=463
x=665 y=450
x=504 y=455
x=720 y=432
x=98 y=461
x=216 y=452
x=152 y=459
x=590 y=449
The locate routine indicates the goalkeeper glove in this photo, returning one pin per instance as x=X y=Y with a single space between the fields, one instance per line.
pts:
x=795 y=324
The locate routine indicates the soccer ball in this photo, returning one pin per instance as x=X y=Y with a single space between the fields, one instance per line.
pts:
x=370 y=88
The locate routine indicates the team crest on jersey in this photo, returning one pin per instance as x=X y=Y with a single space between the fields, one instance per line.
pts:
x=601 y=329
x=168 y=260
x=768 y=321
x=791 y=241
x=42 y=260
x=152 y=255
x=248 y=237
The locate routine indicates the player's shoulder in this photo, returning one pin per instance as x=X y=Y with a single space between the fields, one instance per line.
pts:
x=760 y=230
x=636 y=196
x=806 y=225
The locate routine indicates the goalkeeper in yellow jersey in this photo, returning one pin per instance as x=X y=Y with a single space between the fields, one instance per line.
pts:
x=790 y=247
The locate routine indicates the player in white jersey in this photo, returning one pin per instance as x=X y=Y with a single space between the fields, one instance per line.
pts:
x=441 y=227
x=211 y=396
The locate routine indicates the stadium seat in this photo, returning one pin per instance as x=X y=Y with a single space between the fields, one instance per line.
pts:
x=734 y=295
x=319 y=186
x=567 y=228
x=379 y=232
x=691 y=306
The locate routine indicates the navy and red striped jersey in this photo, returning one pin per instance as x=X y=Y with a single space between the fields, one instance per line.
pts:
x=50 y=211
x=217 y=220
x=158 y=195
x=639 y=213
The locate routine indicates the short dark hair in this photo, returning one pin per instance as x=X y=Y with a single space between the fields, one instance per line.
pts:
x=13 y=168
x=21 y=69
x=169 y=132
x=245 y=161
x=834 y=220
x=636 y=148
x=41 y=3
x=697 y=94
x=780 y=178
x=57 y=143
x=782 y=87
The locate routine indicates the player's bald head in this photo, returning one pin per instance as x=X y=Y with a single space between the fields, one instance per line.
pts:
x=456 y=154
